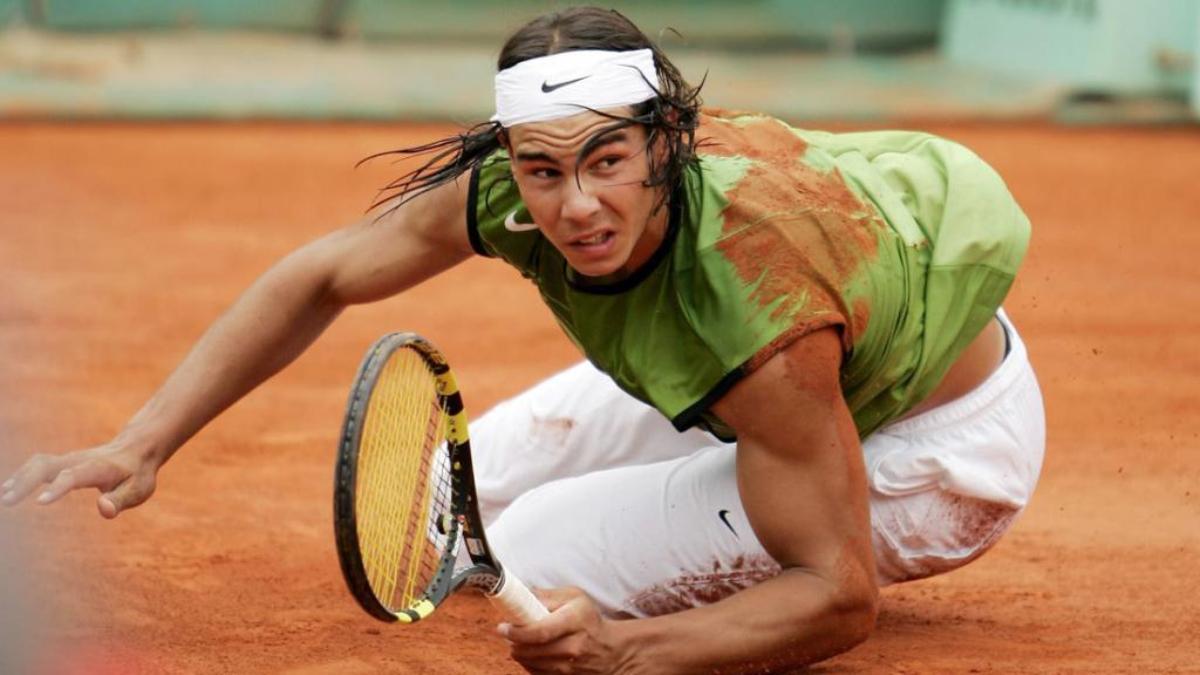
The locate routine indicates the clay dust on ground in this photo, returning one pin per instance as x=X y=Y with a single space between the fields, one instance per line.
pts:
x=119 y=244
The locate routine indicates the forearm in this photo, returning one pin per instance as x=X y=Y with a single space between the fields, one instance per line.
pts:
x=283 y=312
x=794 y=619
x=271 y=324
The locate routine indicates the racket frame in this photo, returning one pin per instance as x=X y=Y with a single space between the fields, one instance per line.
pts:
x=485 y=572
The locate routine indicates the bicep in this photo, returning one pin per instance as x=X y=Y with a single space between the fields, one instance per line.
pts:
x=384 y=254
x=799 y=462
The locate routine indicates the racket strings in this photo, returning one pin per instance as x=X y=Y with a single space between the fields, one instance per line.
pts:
x=403 y=481
x=423 y=552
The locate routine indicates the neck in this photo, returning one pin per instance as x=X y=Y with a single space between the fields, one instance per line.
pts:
x=652 y=237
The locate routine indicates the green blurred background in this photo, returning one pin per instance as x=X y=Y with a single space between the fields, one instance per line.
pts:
x=1074 y=60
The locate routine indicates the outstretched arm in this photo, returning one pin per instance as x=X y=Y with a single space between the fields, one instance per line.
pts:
x=271 y=324
x=803 y=485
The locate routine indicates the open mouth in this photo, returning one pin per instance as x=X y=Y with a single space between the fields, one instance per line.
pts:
x=595 y=239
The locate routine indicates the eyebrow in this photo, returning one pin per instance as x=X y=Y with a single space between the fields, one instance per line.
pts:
x=605 y=138
x=534 y=157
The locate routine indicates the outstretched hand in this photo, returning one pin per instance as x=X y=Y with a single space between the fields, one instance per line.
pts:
x=125 y=477
x=573 y=639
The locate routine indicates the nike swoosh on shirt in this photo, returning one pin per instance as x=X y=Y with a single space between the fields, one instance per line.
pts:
x=547 y=87
x=511 y=224
x=723 y=514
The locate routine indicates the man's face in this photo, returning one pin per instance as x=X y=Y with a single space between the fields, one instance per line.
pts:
x=593 y=206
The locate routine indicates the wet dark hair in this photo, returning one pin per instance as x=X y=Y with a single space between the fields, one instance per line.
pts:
x=672 y=116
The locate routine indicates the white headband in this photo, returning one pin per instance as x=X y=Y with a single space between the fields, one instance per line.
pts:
x=568 y=83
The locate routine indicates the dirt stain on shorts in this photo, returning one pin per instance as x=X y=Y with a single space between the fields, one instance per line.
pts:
x=976 y=520
x=704 y=588
x=552 y=432
x=954 y=523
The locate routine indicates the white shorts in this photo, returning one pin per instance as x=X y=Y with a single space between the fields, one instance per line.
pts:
x=581 y=485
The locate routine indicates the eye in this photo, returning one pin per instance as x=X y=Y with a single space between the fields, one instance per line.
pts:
x=608 y=161
x=544 y=172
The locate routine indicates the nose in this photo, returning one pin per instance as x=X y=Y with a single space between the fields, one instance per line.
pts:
x=578 y=203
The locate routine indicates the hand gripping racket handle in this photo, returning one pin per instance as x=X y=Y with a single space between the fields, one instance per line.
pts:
x=516 y=601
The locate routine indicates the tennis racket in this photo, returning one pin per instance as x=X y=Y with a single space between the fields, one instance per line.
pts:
x=404 y=497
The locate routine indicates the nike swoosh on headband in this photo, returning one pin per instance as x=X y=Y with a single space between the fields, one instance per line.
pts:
x=511 y=224
x=547 y=87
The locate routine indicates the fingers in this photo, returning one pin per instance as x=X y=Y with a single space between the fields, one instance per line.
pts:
x=35 y=472
x=551 y=652
x=567 y=615
x=553 y=598
x=127 y=495
x=94 y=473
x=572 y=639
x=122 y=487
x=107 y=507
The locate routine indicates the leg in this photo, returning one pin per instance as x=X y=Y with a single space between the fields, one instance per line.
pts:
x=650 y=539
x=640 y=540
x=946 y=484
x=574 y=423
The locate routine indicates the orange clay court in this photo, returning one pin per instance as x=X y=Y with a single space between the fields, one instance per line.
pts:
x=121 y=243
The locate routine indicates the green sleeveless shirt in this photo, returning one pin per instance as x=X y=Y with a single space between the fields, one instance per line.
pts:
x=905 y=242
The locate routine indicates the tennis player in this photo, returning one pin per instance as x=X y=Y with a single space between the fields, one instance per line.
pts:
x=800 y=385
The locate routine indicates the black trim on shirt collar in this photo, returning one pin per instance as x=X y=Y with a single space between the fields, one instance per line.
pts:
x=472 y=215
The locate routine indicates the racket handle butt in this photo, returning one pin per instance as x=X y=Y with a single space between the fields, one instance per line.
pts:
x=517 y=602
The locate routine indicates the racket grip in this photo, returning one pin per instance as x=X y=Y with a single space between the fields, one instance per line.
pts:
x=517 y=602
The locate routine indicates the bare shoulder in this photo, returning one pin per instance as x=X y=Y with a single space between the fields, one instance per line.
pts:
x=794 y=390
x=436 y=215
